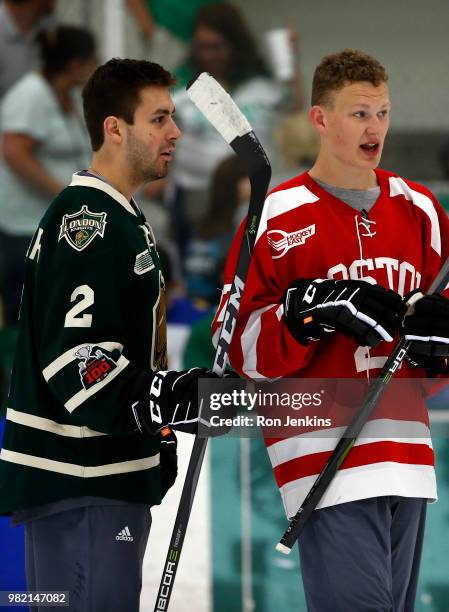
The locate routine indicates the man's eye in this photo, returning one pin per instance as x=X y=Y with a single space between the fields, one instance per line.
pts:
x=383 y=113
x=360 y=114
x=158 y=119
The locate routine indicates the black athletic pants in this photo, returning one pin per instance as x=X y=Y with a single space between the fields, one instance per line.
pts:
x=363 y=556
x=94 y=552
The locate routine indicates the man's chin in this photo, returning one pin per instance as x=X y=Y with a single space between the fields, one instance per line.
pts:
x=369 y=163
x=155 y=176
x=162 y=171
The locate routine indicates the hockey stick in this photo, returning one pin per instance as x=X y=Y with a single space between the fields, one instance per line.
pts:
x=219 y=108
x=351 y=433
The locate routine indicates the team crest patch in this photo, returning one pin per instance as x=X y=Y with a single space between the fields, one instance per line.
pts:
x=94 y=365
x=81 y=228
x=280 y=241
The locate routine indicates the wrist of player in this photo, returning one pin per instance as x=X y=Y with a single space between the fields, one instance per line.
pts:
x=170 y=398
x=434 y=366
x=300 y=314
x=427 y=327
x=365 y=312
x=168 y=458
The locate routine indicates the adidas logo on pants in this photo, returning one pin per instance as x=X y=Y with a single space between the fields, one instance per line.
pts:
x=125 y=535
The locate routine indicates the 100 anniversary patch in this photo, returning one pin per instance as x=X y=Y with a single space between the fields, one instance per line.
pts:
x=81 y=228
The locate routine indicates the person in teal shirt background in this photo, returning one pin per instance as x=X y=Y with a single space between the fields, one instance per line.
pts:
x=176 y=16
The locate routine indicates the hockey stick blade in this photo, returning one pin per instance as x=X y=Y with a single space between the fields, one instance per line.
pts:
x=218 y=107
x=353 y=430
x=216 y=104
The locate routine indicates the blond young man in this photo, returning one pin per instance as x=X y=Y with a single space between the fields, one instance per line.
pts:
x=339 y=247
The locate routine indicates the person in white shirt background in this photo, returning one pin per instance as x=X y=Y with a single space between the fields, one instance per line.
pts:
x=43 y=141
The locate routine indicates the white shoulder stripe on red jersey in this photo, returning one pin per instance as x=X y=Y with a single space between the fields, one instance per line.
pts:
x=399 y=187
x=283 y=201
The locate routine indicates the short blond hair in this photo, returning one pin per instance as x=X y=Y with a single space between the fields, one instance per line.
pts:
x=347 y=66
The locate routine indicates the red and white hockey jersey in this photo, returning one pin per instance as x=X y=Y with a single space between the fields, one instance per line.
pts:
x=305 y=232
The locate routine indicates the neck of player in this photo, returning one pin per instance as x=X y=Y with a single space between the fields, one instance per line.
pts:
x=115 y=172
x=335 y=172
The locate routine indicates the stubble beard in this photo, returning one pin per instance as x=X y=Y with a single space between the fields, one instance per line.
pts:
x=143 y=168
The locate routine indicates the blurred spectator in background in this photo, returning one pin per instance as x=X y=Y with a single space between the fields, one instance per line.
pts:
x=20 y=21
x=442 y=193
x=223 y=46
x=444 y=160
x=166 y=27
x=181 y=310
x=229 y=195
x=176 y=16
x=43 y=143
x=298 y=143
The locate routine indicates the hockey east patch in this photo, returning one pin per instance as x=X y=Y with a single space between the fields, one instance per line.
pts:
x=281 y=241
x=94 y=365
x=81 y=228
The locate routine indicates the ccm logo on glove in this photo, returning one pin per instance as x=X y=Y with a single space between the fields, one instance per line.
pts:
x=170 y=398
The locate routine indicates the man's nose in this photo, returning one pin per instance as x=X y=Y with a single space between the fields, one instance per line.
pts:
x=374 y=125
x=175 y=132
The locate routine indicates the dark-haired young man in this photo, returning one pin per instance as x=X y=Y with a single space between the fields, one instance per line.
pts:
x=338 y=248
x=86 y=449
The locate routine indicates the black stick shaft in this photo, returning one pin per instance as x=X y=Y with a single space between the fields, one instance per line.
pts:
x=180 y=527
x=253 y=156
x=353 y=430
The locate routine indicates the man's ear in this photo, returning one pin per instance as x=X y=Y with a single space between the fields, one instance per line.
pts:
x=317 y=116
x=112 y=129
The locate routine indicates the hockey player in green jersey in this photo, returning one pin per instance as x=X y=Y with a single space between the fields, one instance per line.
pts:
x=83 y=457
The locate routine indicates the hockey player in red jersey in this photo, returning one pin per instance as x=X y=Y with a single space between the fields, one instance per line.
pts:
x=337 y=249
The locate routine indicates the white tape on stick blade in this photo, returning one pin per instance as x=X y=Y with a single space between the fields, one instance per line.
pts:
x=218 y=107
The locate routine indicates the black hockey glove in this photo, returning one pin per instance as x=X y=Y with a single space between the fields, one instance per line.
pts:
x=365 y=312
x=169 y=459
x=170 y=398
x=428 y=328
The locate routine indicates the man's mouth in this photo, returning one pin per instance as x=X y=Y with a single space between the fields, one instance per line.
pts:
x=370 y=147
x=167 y=154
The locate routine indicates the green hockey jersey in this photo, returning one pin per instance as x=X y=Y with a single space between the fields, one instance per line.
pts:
x=92 y=322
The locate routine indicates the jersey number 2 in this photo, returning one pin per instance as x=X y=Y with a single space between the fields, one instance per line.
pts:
x=73 y=318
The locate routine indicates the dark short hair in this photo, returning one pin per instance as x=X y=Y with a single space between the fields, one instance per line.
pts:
x=347 y=66
x=61 y=45
x=114 y=89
